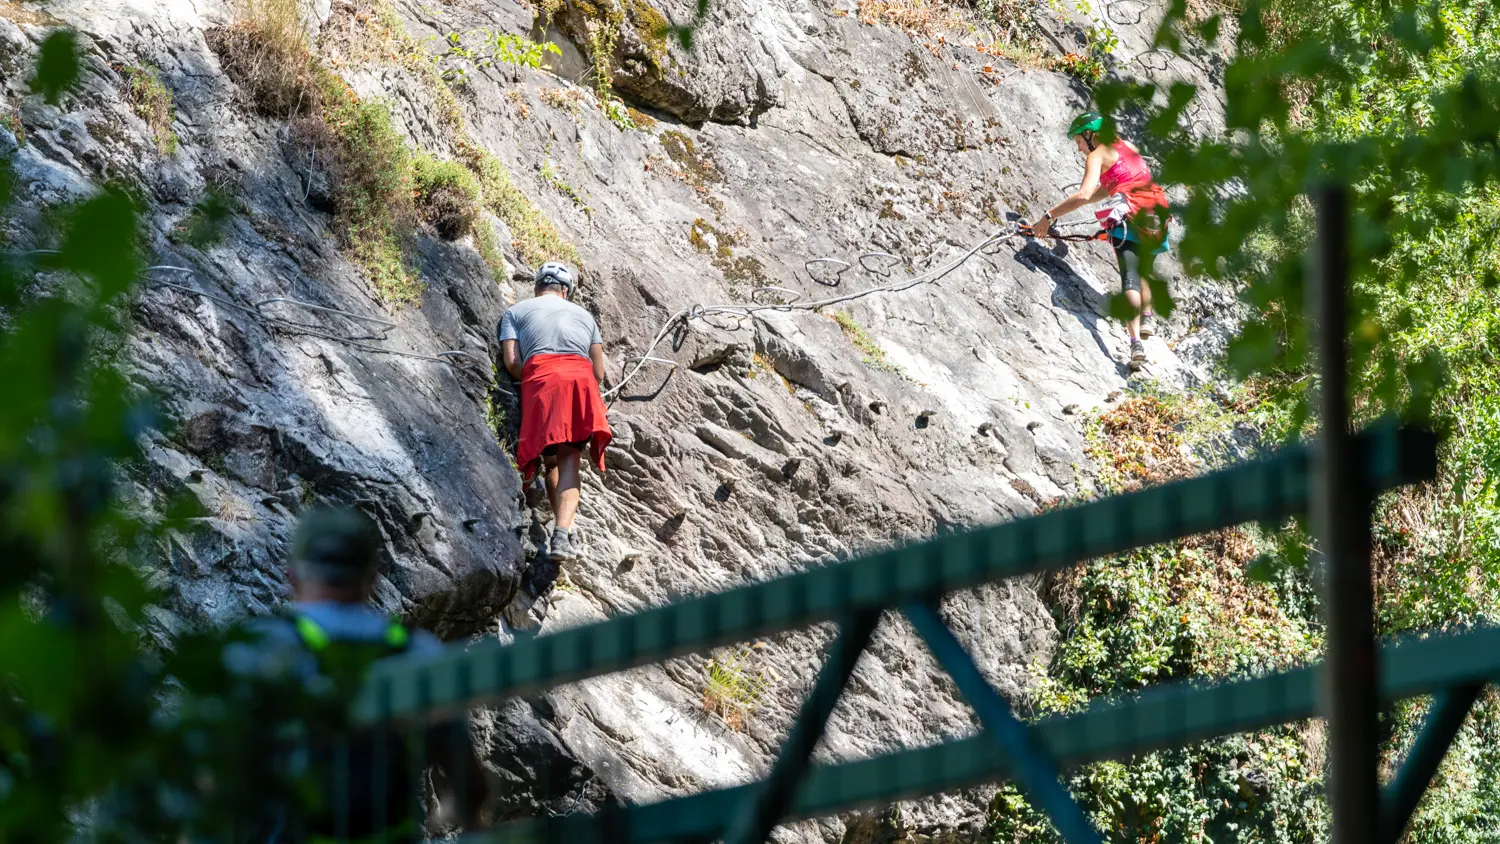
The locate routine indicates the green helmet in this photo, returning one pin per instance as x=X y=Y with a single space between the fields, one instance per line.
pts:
x=1089 y=121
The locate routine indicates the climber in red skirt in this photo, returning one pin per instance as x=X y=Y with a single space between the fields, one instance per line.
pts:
x=553 y=348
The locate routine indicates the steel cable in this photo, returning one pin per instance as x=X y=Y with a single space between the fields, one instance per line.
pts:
x=741 y=312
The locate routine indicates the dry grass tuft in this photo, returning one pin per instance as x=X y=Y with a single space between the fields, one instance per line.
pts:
x=267 y=53
x=917 y=18
x=27 y=17
x=1143 y=443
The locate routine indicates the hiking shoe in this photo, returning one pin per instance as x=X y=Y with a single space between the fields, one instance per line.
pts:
x=1148 y=325
x=562 y=545
x=1137 y=352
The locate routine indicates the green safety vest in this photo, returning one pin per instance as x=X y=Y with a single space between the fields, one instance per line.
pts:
x=346 y=777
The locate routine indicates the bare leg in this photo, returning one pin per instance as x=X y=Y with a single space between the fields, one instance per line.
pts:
x=550 y=477
x=566 y=508
x=1146 y=297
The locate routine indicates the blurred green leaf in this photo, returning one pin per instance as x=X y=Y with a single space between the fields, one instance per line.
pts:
x=57 y=69
x=209 y=218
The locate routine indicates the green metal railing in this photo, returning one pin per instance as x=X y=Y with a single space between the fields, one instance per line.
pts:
x=1335 y=482
x=1265 y=490
x=910 y=580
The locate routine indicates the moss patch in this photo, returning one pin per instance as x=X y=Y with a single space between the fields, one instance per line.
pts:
x=698 y=167
x=151 y=102
x=652 y=27
x=870 y=353
x=888 y=211
x=642 y=120
x=741 y=271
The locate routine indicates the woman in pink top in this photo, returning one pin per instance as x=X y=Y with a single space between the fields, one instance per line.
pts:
x=1134 y=214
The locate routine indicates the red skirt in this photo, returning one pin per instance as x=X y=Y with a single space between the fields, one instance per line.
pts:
x=560 y=405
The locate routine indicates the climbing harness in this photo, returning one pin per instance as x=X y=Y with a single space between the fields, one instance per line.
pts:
x=876 y=263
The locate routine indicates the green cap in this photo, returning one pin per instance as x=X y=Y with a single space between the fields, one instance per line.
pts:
x=1089 y=121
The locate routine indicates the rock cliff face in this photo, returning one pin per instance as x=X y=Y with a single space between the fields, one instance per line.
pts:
x=792 y=131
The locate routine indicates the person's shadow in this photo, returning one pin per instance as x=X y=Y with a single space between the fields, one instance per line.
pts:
x=1070 y=291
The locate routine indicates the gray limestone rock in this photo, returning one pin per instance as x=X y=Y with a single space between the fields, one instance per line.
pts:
x=781 y=439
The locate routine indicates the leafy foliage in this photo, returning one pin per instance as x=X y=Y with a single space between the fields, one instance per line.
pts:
x=57 y=68
x=104 y=734
x=1397 y=103
x=74 y=601
x=514 y=50
x=447 y=195
x=1088 y=65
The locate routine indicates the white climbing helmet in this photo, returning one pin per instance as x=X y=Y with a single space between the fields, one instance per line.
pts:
x=554 y=272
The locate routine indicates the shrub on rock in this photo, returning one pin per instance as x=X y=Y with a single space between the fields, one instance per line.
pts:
x=447 y=196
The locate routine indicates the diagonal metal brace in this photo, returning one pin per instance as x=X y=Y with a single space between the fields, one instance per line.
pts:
x=768 y=803
x=1398 y=803
x=1034 y=768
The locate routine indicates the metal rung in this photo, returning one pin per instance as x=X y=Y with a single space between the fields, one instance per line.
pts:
x=887 y=262
x=772 y=288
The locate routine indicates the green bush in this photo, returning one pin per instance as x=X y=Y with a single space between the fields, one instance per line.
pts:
x=1399 y=103
x=372 y=183
x=104 y=734
x=447 y=196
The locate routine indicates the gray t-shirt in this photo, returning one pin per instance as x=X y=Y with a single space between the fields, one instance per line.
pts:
x=549 y=325
x=279 y=649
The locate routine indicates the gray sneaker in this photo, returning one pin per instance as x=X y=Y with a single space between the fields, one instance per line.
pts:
x=562 y=545
x=1137 y=352
x=1148 y=325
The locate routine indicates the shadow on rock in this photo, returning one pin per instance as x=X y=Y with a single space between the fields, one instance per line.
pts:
x=1071 y=292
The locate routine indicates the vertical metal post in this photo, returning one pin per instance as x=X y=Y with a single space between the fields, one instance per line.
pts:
x=757 y=816
x=1340 y=506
